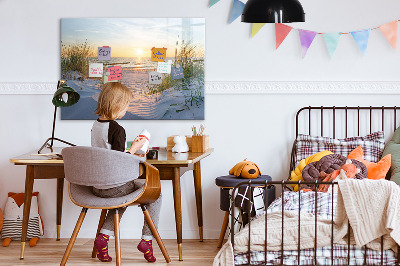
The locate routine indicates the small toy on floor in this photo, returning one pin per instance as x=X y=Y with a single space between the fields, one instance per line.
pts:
x=13 y=215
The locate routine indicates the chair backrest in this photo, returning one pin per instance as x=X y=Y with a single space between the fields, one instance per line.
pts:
x=92 y=166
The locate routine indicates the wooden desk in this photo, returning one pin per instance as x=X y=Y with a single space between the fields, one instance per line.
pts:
x=169 y=165
x=40 y=167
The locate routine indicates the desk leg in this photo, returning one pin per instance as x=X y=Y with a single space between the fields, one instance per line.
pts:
x=27 y=206
x=199 y=204
x=60 y=190
x=176 y=182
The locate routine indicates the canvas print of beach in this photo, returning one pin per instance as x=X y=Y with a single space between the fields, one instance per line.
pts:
x=161 y=60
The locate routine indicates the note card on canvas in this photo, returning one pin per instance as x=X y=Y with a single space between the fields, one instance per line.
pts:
x=104 y=53
x=177 y=73
x=164 y=67
x=115 y=73
x=95 y=70
x=155 y=78
x=158 y=54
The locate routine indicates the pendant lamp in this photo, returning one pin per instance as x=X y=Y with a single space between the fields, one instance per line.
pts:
x=272 y=11
x=64 y=96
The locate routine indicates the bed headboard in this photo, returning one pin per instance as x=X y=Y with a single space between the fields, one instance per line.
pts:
x=344 y=121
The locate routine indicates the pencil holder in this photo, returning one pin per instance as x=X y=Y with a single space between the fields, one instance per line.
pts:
x=200 y=143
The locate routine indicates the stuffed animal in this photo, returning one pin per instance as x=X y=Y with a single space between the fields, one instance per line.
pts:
x=13 y=215
x=180 y=144
x=245 y=169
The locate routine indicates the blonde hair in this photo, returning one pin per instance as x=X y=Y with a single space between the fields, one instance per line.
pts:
x=112 y=99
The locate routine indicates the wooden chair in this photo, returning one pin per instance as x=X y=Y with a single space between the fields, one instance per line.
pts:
x=85 y=167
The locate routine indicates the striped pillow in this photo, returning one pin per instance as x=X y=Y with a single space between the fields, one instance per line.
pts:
x=372 y=145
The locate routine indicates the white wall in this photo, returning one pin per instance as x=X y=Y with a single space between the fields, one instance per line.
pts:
x=258 y=126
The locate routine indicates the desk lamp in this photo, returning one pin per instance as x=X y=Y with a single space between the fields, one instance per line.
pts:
x=64 y=96
x=273 y=11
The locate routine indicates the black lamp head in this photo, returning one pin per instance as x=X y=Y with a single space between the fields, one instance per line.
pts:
x=273 y=11
x=65 y=96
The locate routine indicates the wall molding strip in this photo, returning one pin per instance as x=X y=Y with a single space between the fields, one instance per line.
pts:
x=251 y=87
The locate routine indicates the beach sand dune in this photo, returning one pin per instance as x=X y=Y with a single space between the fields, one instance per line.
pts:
x=166 y=105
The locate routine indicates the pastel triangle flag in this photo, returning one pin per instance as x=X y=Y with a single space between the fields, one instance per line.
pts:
x=332 y=41
x=213 y=2
x=237 y=9
x=256 y=27
x=361 y=37
x=306 y=39
x=281 y=31
x=389 y=30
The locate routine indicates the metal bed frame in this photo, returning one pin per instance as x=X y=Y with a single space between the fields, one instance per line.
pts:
x=283 y=184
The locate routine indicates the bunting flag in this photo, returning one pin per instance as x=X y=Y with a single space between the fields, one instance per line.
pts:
x=256 y=27
x=332 y=41
x=361 y=37
x=213 y=2
x=237 y=9
x=389 y=30
x=281 y=31
x=306 y=39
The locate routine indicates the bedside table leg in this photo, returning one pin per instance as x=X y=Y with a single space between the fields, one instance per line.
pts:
x=223 y=229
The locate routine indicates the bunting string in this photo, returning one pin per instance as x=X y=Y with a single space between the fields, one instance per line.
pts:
x=361 y=37
x=343 y=33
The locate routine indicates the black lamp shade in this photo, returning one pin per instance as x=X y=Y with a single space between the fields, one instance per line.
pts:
x=70 y=97
x=273 y=11
x=64 y=96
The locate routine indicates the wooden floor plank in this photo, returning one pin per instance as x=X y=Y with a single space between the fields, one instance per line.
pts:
x=49 y=252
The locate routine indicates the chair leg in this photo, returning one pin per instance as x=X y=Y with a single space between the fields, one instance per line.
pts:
x=73 y=237
x=154 y=230
x=117 y=239
x=223 y=229
x=101 y=222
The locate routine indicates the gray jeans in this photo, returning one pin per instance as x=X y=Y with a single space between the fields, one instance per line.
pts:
x=154 y=208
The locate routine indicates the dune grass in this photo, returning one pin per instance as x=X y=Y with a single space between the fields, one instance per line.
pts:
x=192 y=68
x=76 y=57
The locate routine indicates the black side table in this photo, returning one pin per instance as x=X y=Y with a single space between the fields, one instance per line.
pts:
x=226 y=183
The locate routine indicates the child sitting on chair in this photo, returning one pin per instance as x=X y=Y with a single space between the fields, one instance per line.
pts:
x=107 y=133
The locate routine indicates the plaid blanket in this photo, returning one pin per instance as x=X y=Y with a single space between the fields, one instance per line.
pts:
x=324 y=257
x=323 y=205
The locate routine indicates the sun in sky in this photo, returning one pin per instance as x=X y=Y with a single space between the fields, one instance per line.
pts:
x=139 y=52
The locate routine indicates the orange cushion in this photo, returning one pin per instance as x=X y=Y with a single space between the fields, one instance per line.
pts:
x=375 y=170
